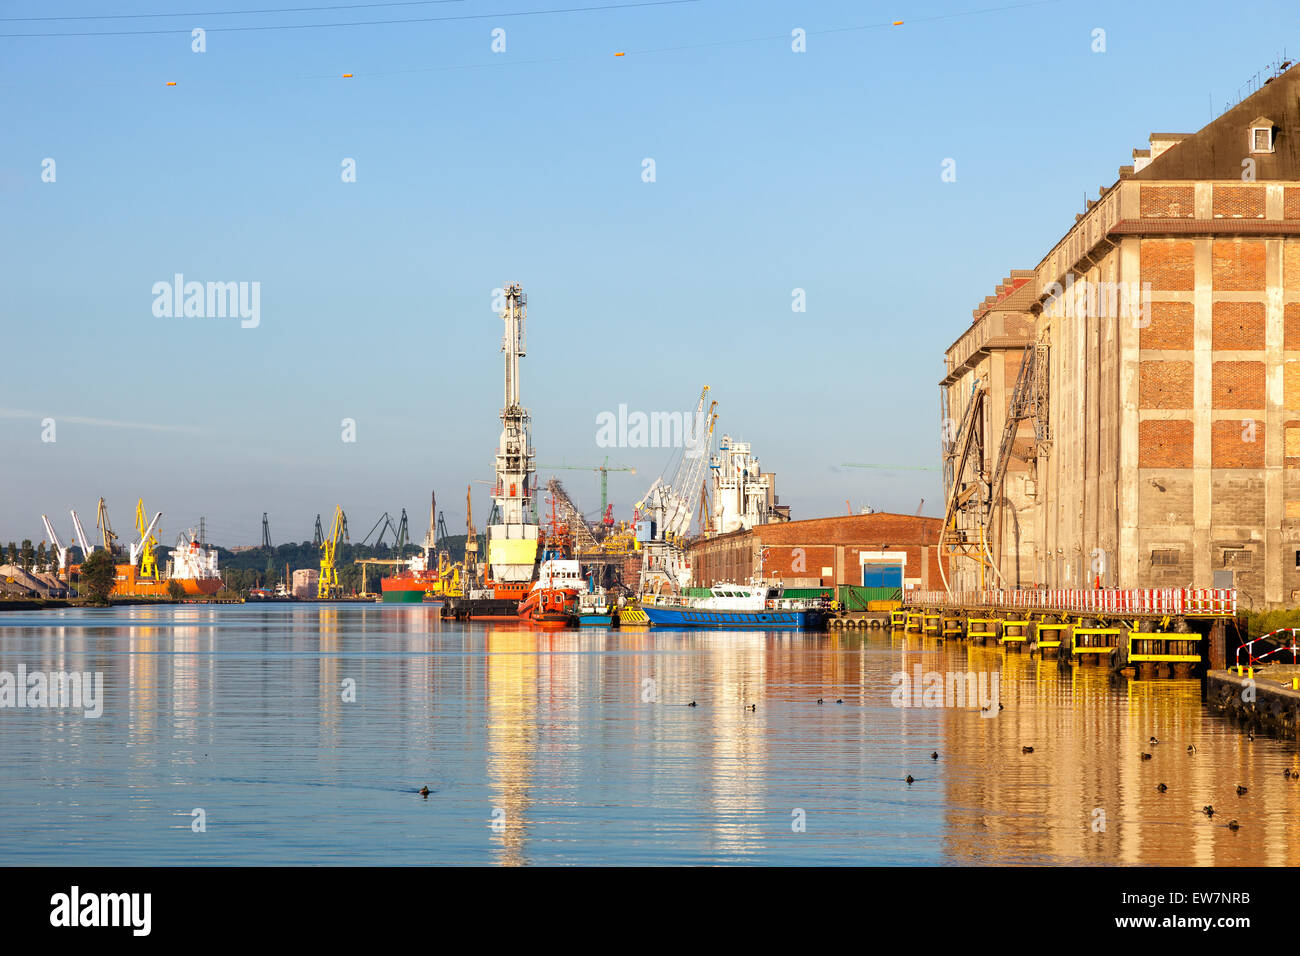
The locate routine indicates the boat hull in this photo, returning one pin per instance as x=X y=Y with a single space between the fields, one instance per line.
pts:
x=684 y=617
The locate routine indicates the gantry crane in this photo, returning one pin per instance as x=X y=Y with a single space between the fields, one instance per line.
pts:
x=327 y=586
x=143 y=550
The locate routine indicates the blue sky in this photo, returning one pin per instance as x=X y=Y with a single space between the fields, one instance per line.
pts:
x=774 y=171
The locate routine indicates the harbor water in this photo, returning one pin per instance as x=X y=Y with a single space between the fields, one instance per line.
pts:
x=302 y=733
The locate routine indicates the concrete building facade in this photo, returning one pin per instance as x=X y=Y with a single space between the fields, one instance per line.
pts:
x=1156 y=439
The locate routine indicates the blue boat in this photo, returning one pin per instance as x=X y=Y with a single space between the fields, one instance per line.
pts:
x=739 y=606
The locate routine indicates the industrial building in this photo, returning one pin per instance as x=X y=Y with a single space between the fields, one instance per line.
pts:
x=876 y=550
x=1127 y=413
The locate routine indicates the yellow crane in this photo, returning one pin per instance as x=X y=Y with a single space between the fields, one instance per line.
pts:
x=148 y=559
x=327 y=586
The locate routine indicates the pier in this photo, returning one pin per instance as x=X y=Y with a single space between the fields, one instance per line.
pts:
x=1153 y=633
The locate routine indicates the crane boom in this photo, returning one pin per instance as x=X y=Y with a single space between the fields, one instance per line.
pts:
x=144 y=548
x=86 y=546
x=58 y=545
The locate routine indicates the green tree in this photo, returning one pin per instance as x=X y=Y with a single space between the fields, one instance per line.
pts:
x=27 y=555
x=40 y=556
x=98 y=575
x=13 y=553
x=175 y=591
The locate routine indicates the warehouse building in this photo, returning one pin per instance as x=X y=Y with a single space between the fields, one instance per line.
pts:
x=1127 y=413
x=875 y=550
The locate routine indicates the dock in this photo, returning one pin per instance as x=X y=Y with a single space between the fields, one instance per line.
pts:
x=1152 y=633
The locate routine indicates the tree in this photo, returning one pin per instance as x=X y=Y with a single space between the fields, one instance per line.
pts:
x=13 y=553
x=98 y=575
x=40 y=556
x=175 y=590
x=27 y=555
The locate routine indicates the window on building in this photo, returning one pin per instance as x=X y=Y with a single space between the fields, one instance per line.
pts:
x=1165 y=556
x=1237 y=557
x=1261 y=139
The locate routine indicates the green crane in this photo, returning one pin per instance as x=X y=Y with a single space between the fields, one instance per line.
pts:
x=604 y=470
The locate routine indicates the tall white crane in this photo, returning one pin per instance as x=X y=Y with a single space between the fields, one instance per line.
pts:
x=58 y=545
x=512 y=538
x=86 y=547
x=138 y=547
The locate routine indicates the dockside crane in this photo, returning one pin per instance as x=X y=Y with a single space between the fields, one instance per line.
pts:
x=471 y=539
x=86 y=546
x=143 y=550
x=59 y=549
x=105 y=528
x=327 y=586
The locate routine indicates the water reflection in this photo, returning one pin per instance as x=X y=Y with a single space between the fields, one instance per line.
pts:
x=585 y=742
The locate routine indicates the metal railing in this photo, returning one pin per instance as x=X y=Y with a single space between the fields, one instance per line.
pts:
x=1211 y=602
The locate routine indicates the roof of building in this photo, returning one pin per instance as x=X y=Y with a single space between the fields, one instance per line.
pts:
x=876 y=527
x=1217 y=149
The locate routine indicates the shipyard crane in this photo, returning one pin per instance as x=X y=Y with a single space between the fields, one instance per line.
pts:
x=86 y=546
x=671 y=504
x=471 y=538
x=105 y=528
x=143 y=550
x=266 y=532
x=387 y=523
x=604 y=471
x=327 y=586
x=59 y=549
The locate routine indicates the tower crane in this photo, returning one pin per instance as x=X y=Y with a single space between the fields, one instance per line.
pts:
x=58 y=545
x=471 y=538
x=327 y=586
x=143 y=550
x=604 y=471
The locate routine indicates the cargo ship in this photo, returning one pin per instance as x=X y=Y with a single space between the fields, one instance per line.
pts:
x=739 y=606
x=191 y=566
x=411 y=584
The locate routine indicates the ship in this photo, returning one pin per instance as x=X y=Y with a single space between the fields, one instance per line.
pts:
x=191 y=566
x=411 y=584
x=739 y=606
x=553 y=599
x=599 y=608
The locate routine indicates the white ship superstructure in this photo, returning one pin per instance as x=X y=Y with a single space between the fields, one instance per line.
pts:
x=743 y=495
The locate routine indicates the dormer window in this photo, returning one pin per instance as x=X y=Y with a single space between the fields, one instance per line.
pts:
x=1261 y=135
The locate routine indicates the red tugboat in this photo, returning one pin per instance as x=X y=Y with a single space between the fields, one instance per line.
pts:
x=553 y=600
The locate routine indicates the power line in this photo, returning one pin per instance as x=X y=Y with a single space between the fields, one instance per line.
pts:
x=358 y=23
x=227 y=13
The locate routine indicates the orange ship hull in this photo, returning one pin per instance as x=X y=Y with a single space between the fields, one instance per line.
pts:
x=129 y=584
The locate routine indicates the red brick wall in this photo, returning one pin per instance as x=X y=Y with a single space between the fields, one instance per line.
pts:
x=1165 y=384
x=1168 y=202
x=1238 y=325
x=1291 y=322
x=1167 y=264
x=1229 y=447
x=1165 y=444
x=1238 y=385
x=1291 y=202
x=1238 y=202
x=1171 y=326
x=1238 y=265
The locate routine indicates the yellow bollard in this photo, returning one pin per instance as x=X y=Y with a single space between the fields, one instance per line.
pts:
x=1295 y=683
x=1250 y=672
x=1238 y=670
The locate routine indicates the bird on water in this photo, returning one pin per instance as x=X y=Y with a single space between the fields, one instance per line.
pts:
x=424 y=791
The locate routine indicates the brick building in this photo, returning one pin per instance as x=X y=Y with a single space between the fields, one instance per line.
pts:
x=877 y=549
x=1154 y=436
